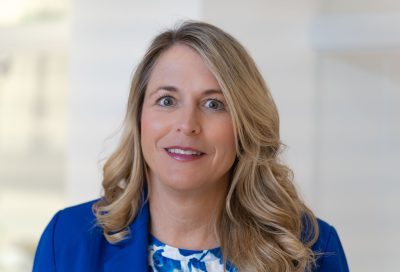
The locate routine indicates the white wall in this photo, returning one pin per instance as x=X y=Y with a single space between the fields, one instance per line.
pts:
x=359 y=148
x=358 y=132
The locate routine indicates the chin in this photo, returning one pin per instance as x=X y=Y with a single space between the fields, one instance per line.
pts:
x=185 y=185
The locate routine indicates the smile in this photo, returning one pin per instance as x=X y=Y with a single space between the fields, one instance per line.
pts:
x=181 y=151
x=184 y=154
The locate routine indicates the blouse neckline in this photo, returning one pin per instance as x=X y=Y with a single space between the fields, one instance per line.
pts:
x=181 y=254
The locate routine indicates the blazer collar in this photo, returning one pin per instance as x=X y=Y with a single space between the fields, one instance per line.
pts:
x=131 y=254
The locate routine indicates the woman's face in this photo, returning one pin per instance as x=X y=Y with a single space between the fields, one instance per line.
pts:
x=187 y=134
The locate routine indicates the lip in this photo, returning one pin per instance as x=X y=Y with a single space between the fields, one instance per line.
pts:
x=184 y=148
x=184 y=157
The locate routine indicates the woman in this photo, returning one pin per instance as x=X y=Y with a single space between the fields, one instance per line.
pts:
x=196 y=183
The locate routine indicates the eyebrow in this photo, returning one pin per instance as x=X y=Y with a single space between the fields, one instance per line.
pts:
x=174 y=89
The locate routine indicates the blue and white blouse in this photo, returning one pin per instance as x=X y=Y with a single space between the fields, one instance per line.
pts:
x=165 y=258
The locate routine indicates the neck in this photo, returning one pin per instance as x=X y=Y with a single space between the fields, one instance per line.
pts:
x=186 y=219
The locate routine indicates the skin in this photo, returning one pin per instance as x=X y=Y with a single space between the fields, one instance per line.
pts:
x=184 y=196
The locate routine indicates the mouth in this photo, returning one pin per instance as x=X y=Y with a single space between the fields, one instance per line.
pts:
x=183 y=153
x=184 y=150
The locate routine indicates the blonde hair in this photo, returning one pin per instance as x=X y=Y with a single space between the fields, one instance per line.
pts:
x=264 y=225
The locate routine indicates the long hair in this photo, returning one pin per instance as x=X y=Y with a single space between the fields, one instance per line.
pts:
x=264 y=225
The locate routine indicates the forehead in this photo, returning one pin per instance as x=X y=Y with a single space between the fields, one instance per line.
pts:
x=182 y=67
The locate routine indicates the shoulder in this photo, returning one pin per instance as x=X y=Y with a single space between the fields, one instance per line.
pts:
x=81 y=215
x=71 y=232
x=328 y=249
x=325 y=234
x=73 y=219
x=73 y=222
x=76 y=223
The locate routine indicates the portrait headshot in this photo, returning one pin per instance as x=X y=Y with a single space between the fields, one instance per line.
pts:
x=197 y=181
x=198 y=135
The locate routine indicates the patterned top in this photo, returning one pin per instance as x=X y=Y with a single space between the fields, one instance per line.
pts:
x=165 y=258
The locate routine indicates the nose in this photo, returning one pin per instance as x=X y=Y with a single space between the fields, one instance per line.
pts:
x=188 y=122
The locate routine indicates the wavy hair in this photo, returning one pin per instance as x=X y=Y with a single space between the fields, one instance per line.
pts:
x=264 y=225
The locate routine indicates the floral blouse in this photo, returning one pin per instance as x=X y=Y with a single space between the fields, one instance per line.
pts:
x=165 y=258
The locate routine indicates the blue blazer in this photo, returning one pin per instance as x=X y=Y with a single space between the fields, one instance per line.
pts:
x=72 y=242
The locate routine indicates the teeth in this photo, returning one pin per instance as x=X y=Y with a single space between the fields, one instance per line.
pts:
x=184 y=152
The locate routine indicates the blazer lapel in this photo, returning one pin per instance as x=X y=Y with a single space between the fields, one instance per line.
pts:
x=131 y=254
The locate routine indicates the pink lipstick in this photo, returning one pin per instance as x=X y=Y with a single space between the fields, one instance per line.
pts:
x=184 y=154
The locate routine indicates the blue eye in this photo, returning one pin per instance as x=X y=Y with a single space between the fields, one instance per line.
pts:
x=215 y=104
x=165 y=101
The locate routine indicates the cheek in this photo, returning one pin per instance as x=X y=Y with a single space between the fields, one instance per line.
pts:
x=151 y=125
x=150 y=129
x=223 y=135
x=230 y=144
x=154 y=127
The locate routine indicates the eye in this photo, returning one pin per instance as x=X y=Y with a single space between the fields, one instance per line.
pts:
x=165 y=101
x=215 y=104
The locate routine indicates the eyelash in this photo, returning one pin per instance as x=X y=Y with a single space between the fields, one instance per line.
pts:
x=212 y=98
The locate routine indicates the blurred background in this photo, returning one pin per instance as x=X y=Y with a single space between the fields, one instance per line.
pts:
x=333 y=67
